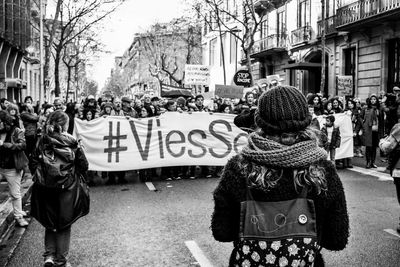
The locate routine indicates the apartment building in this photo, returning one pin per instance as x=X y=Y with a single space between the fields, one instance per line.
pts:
x=359 y=39
x=14 y=39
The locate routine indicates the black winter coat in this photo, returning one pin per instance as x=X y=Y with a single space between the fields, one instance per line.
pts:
x=330 y=206
x=56 y=208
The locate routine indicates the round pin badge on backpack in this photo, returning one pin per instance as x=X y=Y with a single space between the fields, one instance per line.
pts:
x=303 y=219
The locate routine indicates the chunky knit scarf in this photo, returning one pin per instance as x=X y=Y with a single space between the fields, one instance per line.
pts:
x=272 y=154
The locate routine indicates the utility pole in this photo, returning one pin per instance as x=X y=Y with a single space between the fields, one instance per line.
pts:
x=42 y=93
x=323 y=36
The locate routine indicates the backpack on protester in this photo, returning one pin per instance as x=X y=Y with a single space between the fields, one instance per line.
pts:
x=279 y=233
x=56 y=166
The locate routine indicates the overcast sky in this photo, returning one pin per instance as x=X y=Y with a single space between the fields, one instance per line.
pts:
x=131 y=17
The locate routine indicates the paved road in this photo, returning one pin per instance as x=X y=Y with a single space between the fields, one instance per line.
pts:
x=132 y=226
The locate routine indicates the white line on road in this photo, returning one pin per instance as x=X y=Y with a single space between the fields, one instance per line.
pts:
x=150 y=186
x=381 y=176
x=198 y=254
x=392 y=232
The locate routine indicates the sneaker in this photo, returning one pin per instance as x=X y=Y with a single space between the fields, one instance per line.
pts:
x=21 y=222
x=49 y=262
x=177 y=178
x=168 y=179
x=209 y=176
x=192 y=177
x=374 y=166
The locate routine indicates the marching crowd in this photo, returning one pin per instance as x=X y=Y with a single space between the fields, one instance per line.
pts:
x=373 y=121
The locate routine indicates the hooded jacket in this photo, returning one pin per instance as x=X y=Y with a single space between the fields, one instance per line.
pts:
x=58 y=208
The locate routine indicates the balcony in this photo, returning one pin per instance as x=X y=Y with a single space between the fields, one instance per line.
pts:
x=330 y=26
x=368 y=12
x=301 y=35
x=271 y=44
x=261 y=5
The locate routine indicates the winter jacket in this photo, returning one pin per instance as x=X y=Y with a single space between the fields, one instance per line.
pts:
x=56 y=208
x=331 y=211
x=30 y=121
x=367 y=121
x=335 y=140
x=14 y=149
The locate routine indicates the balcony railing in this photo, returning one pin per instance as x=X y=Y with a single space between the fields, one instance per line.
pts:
x=364 y=9
x=330 y=26
x=301 y=35
x=273 y=41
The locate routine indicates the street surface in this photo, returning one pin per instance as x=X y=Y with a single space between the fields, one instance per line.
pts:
x=129 y=225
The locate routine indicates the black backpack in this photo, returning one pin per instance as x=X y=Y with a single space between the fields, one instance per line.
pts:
x=56 y=166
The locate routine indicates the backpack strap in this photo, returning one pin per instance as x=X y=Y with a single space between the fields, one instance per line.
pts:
x=304 y=191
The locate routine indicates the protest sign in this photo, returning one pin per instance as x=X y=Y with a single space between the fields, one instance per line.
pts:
x=242 y=78
x=229 y=91
x=342 y=120
x=344 y=85
x=173 y=139
x=197 y=75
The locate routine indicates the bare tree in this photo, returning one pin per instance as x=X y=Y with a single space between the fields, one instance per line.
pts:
x=78 y=52
x=73 y=19
x=243 y=22
x=169 y=46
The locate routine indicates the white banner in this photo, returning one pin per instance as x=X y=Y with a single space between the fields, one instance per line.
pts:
x=173 y=139
x=197 y=74
x=346 y=133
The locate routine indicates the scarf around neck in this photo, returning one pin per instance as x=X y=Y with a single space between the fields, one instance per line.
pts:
x=272 y=154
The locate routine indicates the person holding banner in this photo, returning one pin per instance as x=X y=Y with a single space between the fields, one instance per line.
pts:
x=281 y=161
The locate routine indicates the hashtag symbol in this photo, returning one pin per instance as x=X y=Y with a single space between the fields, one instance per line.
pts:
x=111 y=149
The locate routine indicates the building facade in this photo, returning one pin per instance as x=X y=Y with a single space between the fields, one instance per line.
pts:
x=359 y=39
x=15 y=34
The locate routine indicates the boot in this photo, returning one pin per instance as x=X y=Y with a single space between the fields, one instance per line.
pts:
x=111 y=179
x=373 y=157
x=349 y=163
x=368 y=157
x=398 y=227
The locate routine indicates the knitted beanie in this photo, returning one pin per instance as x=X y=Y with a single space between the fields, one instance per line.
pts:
x=282 y=109
x=180 y=101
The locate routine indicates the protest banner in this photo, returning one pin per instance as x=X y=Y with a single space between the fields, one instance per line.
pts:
x=173 y=139
x=344 y=85
x=197 y=75
x=243 y=78
x=342 y=120
x=229 y=91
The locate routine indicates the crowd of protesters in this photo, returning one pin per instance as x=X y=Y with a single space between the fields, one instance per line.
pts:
x=371 y=120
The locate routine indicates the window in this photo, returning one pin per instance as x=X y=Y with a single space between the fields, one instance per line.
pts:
x=264 y=28
x=233 y=50
x=303 y=14
x=212 y=54
x=223 y=49
x=394 y=64
x=281 y=29
x=350 y=64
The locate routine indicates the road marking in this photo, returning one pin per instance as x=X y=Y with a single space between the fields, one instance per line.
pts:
x=198 y=254
x=150 y=186
x=381 y=176
x=392 y=232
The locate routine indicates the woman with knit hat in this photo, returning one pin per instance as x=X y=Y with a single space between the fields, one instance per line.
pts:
x=282 y=163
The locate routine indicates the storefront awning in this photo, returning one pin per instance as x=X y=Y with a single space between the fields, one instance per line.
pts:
x=302 y=66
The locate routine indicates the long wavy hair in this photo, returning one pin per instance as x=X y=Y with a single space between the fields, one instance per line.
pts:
x=56 y=122
x=266 y=178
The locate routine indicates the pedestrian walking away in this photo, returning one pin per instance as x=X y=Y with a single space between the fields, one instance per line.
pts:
x=59 y=196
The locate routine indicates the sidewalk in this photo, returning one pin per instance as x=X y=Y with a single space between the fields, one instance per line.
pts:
x=7 y=222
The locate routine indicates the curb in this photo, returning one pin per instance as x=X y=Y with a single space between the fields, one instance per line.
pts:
x=7 y=224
